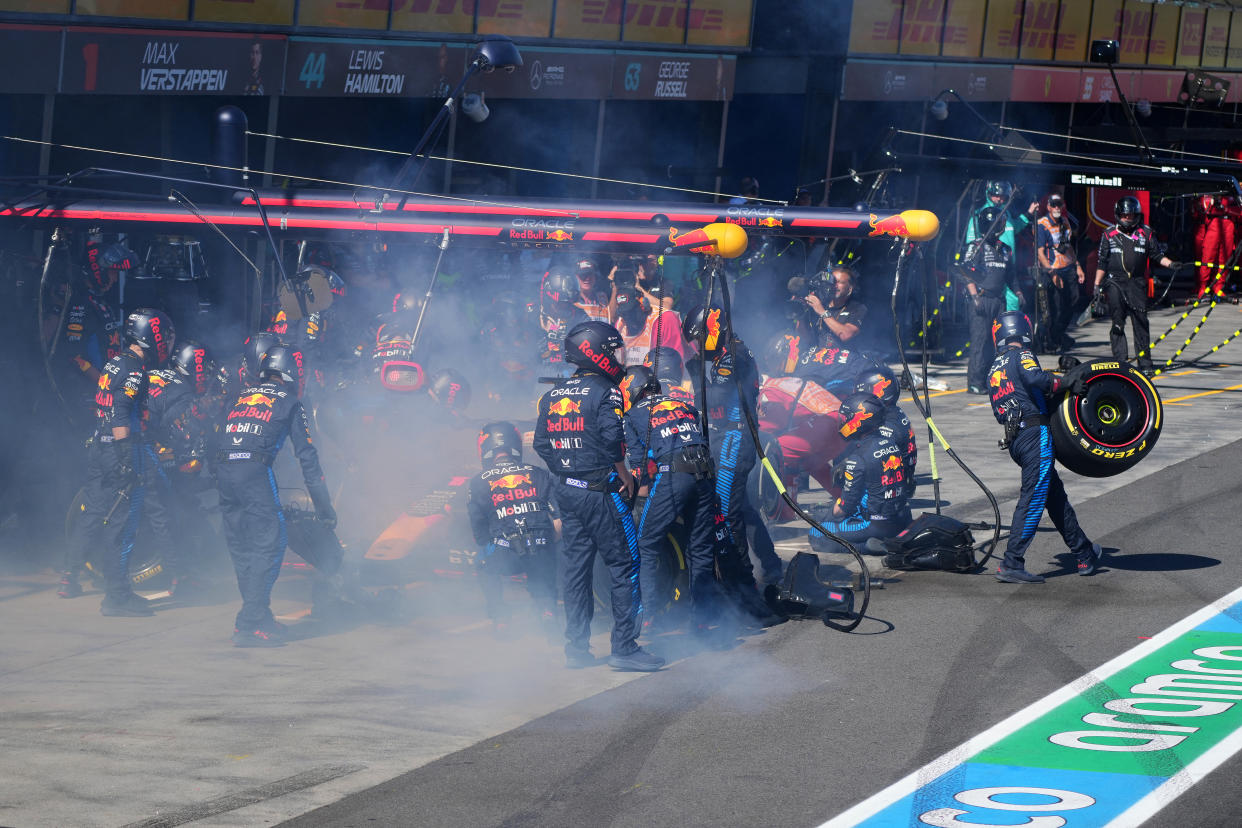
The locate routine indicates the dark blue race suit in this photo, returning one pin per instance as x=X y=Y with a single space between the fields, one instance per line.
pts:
x=579 y=435
x=874 y=493
x=898 y=429
x=665 y=432
x=1020 y=390
x=511 y=515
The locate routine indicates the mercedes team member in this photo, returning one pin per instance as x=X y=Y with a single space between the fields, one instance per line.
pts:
x=113 y=493
x=664 y=432
x=840 y=319
x=1125 y=250
x=580 y=437
x=880 y=383
x=1021 y=391
x=988 y=274
x=874 y=500
x=732 y=381
x=514 y=522
x=259 y=421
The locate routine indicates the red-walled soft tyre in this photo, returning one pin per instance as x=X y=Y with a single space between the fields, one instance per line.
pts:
x=1111 y=427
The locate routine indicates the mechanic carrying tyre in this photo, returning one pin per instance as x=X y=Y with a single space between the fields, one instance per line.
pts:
x=256 y=425
x=1020 y=394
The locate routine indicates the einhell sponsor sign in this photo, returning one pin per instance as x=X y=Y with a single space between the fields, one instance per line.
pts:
x=137 y=62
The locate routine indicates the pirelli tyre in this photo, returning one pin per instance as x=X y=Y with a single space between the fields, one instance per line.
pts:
x=1112 y=426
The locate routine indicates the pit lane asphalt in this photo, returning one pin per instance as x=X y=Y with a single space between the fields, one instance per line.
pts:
x=432 y=722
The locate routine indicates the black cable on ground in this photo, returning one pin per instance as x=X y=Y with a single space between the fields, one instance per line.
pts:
x=864 y=574
x=924 y=406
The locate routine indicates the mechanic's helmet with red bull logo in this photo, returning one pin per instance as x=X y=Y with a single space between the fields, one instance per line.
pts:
x=666 y=363
x=861 y=414
x=638 y=382
x=449 y=389
x=1128 y=212
x=253 y=349
x=880 y=383
x=287 y=363
x=191 y=361
x=152 y=331
x=781 y=355
x=496 y=439
x=1012 y=326
x=560 y=287
x=705 y=326
x=593 y=346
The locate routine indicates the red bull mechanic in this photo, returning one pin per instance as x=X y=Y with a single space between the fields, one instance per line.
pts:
x=515 y=525
x=248 y=439
x=579 y=435
x=874 y=500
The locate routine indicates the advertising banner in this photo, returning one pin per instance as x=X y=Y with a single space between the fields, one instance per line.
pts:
x=1106 y=19
x=974 y=82
x=156 y=9
x=1190 y=36
x=1162 y=42
x=344 y=14
x=320 y=66
x=1003 y=31
x=673 y=77
x=963 y=28
x=1233 y=57
x=589 y=19
x=1044 y=83
x=655 y=21
x=40 y=6
x=555 y=73
x=138 y=62
x=922 y=28
x=448 y=16
x=1073 y=29
x=875 y=27
x=718 y=22
x=1039 y=29
x=516 y=18
x=874 y=80
x=1135 y=30
x=1215 y=37
x=29 y=58
x=268 y=12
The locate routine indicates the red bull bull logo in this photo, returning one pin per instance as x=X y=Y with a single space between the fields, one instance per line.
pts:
x=996 y=378
x=256 y=399
x=666 y=405
x=851 y=426
x=564 y=407
x=769 y=222
x=880 y=387
x=712 y=324
x=890 y=226
x=891 y=463
x=509 y=481
x=561 y=236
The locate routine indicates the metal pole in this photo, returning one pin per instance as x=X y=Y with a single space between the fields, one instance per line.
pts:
x=45 y=151
x=269 y=150
x=832 y=148
x=452 y=151
x=720 y=152
x=599 y=147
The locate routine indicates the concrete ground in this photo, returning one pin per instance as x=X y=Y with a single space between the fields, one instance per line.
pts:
x=429 y=719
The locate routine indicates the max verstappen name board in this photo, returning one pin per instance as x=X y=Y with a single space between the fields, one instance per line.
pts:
x=116 y=62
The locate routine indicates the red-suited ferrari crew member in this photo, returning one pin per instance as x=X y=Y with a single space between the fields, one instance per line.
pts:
x=260 y=420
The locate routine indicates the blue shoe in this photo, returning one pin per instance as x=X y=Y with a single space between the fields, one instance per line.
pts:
x=1092 y=563
x=1017 y=576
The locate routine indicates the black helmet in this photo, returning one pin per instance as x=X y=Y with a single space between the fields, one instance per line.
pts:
x=593 y=345
x=705 y=326
x=637 y=383
x=499 y=438
x=560 y=287
x=989 y=224
x=152 y=331
x=1129 y=212
x=861 y=414
x=667 y=363
x=287 y=363
x=406 y=301
x=1000 y=188
x=1011 y=326
x=450 y=389
x=191 y=361
x=880 y=383
x=253 y=349
x=782 y=353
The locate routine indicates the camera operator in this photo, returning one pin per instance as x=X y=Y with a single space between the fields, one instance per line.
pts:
x=1058 y=262
x=828 y=295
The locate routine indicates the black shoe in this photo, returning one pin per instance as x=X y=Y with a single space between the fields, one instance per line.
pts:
x=1092 y=563
x=69 y=586
x=974 y=389
x=132 y=606
x=639 y=661
x=258 y=638
x=1017 y=576
x=579 y=659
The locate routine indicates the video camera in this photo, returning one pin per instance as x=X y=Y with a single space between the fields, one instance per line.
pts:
x=820 y=284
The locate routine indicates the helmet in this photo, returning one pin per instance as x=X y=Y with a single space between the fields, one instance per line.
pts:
x=152 y=331
x=667 y=363
x=499 y=438
x=450 y=389
x=406 y=301
x=286 y=363
x=782 y=353
x=1129 y=212
x=705 y=326
x=1000 y=188
x=253 y=349
x=861 y=414
x=560 y=287
x=1011 y=326
x=593 y=345
x=880 y=383
x=989 y=223
x=190 y=360
x=637 y=383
